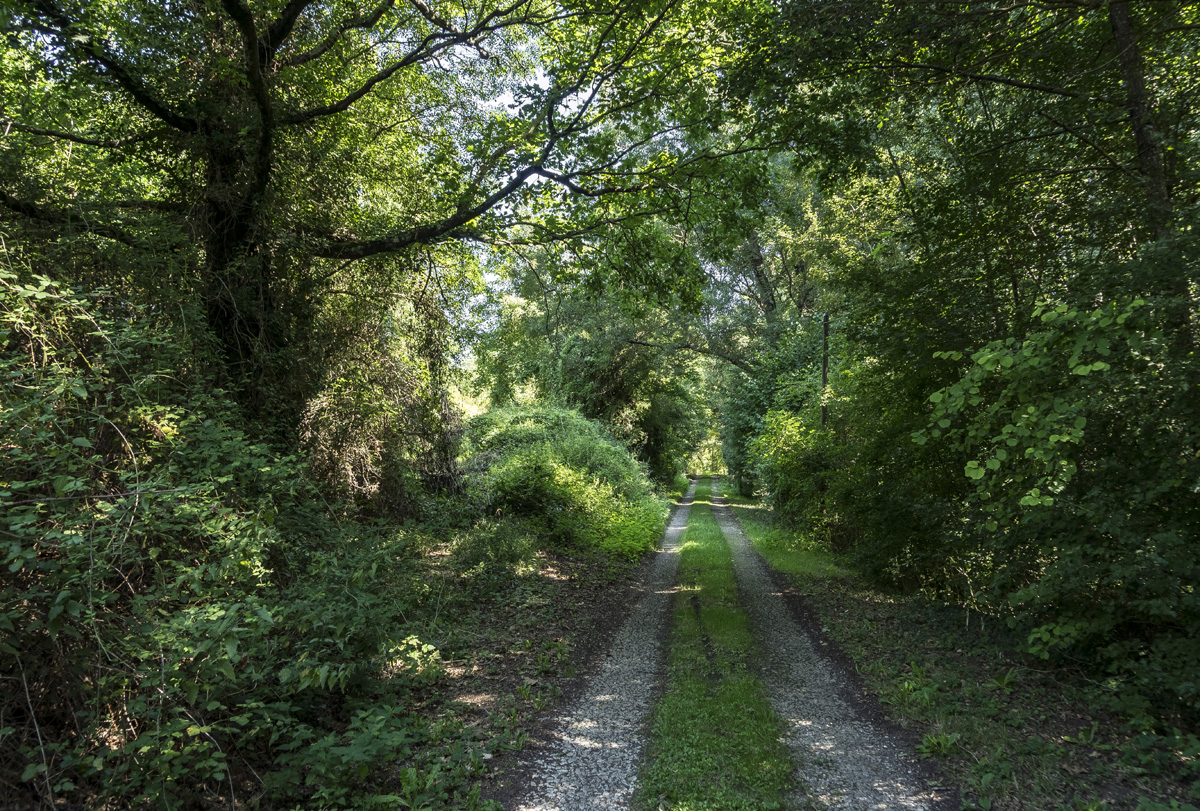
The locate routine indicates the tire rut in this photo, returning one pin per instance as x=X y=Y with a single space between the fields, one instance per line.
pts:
x=599 y=741
x=845 y=760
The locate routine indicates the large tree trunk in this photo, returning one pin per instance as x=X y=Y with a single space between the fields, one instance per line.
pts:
x=239 y=299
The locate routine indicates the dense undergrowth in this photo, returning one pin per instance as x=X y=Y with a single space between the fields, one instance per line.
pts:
x=565 y=477
x=1050 y=487
x=1007 y=730
x=187 y=620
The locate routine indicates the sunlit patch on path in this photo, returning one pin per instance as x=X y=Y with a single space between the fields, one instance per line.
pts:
x=593 y=762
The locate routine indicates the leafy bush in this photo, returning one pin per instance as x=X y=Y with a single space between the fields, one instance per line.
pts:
x=793 y=464
x=579 y=443
x=887 y=505
x=565 y=477
x=1083 y=455
x=179 y=614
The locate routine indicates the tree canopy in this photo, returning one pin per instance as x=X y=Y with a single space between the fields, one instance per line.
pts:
x=264 y=262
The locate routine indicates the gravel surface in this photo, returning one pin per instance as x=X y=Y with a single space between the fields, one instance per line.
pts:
x=593 y=763
x=845 y=760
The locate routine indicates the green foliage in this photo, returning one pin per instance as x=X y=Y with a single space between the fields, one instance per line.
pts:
x=565 y=478
x=794 y=463
x=1153 y=805
x=580 y=444
x=562 y=340
x=488 y=555
x=936 y=744
x=178 y=610
x=1012 y=410
x=1086 y=568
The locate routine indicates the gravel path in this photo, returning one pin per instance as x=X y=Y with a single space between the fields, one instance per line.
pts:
x=846 y=762
x=594 y=762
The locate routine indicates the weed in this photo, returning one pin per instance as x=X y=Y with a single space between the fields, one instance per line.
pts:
x=1146 y=804
x=1005 y=682
x=936 y=744
x=1086 y=737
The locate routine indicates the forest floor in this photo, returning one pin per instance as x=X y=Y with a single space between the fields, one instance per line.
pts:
x=939 y=701
x=851 y=758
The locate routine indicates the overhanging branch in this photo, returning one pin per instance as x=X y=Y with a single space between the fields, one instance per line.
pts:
x=54 y=217
x=111 y=143
x=94 y=50
x=700 y=350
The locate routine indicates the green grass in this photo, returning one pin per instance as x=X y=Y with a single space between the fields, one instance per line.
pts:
x=785 y=551
x=715 y=742
x=1009 y=731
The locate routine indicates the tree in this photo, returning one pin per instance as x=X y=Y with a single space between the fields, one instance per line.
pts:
x=281 y=145
x=566 y=344
x=1015 y=268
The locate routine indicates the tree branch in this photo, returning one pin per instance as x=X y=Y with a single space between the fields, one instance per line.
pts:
x=700 y=350
x=567 y=182
x=990 y=77
x=35 y=212
x=244 y=20
x=95 y=51
x=281 y=29
x=1087 y=141
x=431 y=233
x=429 y=47
x=367 y=20
x=115 y=143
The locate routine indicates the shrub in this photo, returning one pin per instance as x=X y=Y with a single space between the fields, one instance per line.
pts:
x=178 y=613
x=565 y=478
x=579 y=443
x=1083 y=459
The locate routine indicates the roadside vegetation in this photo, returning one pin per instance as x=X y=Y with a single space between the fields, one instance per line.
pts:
x=1005 y=728
x=335 y=337
x=715 y=742
x=191 y=618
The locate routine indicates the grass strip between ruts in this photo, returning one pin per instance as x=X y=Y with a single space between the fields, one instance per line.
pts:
x=715 y=742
